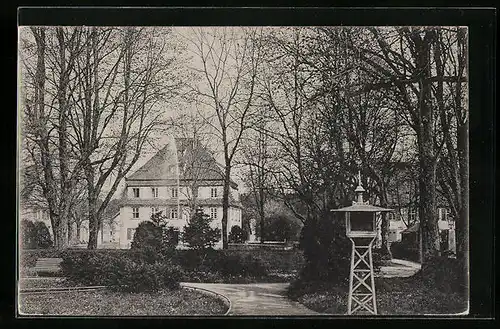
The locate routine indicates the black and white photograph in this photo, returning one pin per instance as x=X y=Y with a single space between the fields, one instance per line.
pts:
x=243 y=171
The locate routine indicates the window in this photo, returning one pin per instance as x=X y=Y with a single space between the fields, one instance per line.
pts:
x=135 y=212
x=213 y=192
x=154 y=192
x=412 y=216
x=135 y=192
x=130 y=233
x=174 y=192
x=213 y=213
x=391 y=216
x=174 y=214
x=444 y=214
x=154 y=210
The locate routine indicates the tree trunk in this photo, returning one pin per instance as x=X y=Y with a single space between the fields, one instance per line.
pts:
x=462 y=241
x=93 y=228
x=92 y=204
x=225 y=205
x=78 y=232
x=70 y=232
x=261 y=214
x=427 y=157
x=385 y=228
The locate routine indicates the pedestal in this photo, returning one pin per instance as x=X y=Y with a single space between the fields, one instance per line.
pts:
x=362 y=298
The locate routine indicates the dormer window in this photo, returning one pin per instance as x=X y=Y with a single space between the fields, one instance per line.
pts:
x=213 y=192
x=135 y=192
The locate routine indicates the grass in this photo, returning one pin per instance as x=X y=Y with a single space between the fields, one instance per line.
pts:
x=107 y=303
x=395 y=296
x=30 y=283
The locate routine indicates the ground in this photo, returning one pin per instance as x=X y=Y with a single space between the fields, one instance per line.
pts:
x=257 y=298
x=179 y=302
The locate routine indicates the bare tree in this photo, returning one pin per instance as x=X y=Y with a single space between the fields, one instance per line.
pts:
x=230 y=59
x=450 y=56
x=403 y=62
x=257 y=159
x=122 y=76
x=47 y=71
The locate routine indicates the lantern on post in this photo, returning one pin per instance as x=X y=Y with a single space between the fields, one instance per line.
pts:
x=361 y=228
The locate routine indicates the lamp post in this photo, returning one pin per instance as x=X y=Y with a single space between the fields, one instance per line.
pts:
x=361 y=228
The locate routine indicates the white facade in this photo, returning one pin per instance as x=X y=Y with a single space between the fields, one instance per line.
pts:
x=161 y=185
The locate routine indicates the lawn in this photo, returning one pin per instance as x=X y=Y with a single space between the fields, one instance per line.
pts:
x=395 y=296
x=32 y=283
x=165 y=303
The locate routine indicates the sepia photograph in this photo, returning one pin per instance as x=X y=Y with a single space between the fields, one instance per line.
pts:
x=243 y=171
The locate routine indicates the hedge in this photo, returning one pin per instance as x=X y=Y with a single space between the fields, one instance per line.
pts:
x=119 y=271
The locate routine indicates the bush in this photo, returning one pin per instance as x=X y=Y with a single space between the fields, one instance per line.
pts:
x=327 y=251
x=120 y=271
x=147 y=235
x=237 y=235
x=35 y=235
x=198 y=234
x=445 y=274
x=153 y=240
x=280 y=228
x=236 y=265
x=404 y=250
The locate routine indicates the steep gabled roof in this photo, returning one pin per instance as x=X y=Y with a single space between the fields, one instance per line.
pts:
x=195 y=163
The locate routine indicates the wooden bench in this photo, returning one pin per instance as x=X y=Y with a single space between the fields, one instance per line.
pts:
x=48 y=265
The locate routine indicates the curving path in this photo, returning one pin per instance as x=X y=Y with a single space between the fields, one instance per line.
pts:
x=256 y=298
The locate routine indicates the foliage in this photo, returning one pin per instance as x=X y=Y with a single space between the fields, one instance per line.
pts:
x=280 y=228
x=327 y=251
x=27 y=229
x=392 y=297
x=237 y=235
x=154 y=239
x=445 y=274
x=236 y=265
x=147 y=235
x=405 y=250
x=35 y=235
x=198 y=234
x=120 y=272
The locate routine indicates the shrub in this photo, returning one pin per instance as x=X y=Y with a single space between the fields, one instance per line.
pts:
x=42 y=236
x=327 y=251
x=236 y=265
x=147 y=235
x=445 y=274
x=153 y=239
x=280 y=228
x=198 y=234
x=404 y=250
x=237 y=235
x=27 y=229
x=35 y=235
x=120 y=271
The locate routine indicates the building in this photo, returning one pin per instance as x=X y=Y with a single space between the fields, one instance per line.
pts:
x=181 y=177
x=403 y=198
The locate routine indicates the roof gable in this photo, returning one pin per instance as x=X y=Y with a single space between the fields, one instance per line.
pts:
x=195 y=163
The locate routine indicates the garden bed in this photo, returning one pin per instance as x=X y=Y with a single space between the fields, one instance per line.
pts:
x=395 y=296
x=165 y=302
